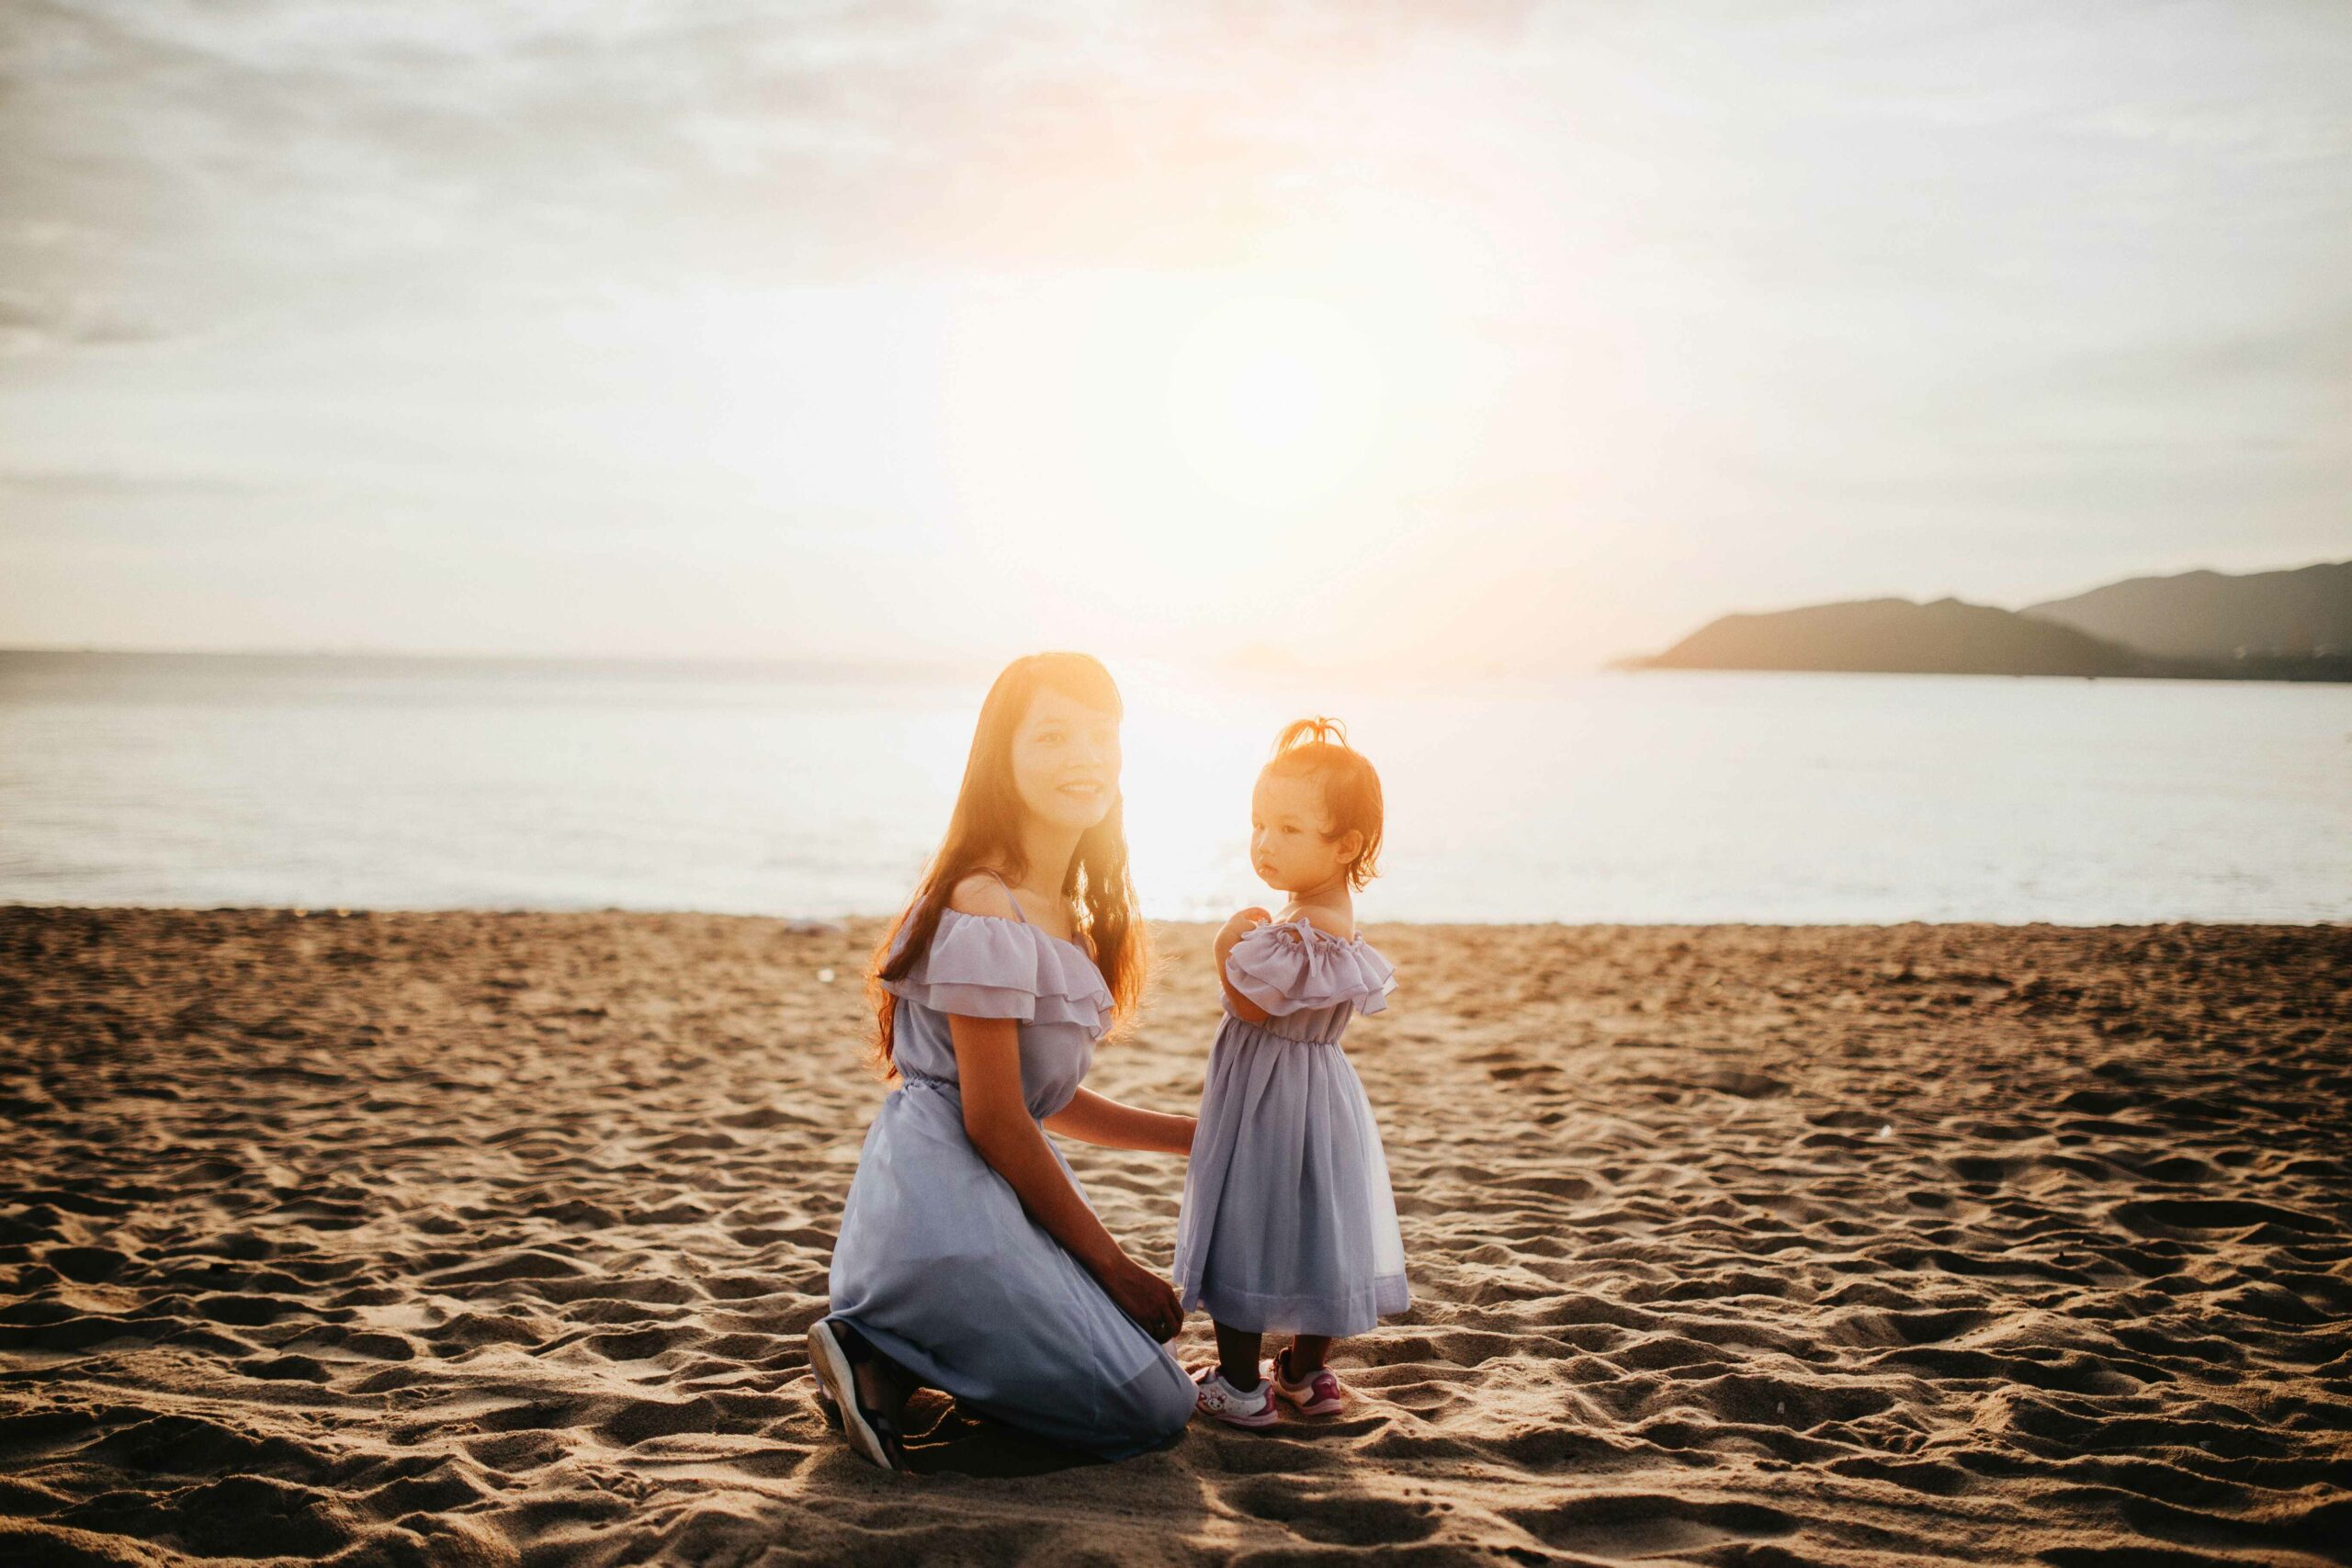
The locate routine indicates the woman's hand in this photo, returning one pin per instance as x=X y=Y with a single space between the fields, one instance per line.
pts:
x=1145 y=1297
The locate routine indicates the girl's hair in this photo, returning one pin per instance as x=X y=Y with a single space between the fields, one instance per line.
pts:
x=984 y=830
x=1317 y=748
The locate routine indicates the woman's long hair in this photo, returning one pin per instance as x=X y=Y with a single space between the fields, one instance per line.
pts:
x=985 y=831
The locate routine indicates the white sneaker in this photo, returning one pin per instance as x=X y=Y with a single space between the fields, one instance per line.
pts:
x=1220 y=1401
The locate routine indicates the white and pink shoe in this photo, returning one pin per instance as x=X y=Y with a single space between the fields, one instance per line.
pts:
x=1317 y=1393
x=1220 y=1401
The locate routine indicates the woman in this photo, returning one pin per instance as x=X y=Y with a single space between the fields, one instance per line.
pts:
x=969 y=1259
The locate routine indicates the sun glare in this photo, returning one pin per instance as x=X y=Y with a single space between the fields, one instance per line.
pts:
x=1197 y=444
x=1270 y=401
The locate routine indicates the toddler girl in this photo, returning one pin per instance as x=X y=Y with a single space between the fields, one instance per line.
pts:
x=1288 y=1223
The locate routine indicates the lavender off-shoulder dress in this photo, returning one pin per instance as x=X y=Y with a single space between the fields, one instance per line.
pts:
x=1289 y=1223
x=939 y=1266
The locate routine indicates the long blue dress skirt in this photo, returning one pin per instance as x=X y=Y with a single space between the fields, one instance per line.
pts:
x=939 y=1266
x=1289 y=1222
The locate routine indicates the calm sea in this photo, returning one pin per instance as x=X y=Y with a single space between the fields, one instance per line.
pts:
x=1636 y=797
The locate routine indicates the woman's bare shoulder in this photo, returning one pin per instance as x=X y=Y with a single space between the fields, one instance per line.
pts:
x=982 y=894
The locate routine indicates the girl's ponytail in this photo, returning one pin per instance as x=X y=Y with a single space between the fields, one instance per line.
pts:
x=1315 y=731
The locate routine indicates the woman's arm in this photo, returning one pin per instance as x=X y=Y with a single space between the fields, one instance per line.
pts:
x=1091 y=1119
x=1241 y=925
x=996 y=1118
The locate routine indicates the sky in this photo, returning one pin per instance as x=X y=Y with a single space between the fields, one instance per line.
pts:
x=1354 y=333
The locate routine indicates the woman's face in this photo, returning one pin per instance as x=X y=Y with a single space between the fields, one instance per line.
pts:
x=1066 y=761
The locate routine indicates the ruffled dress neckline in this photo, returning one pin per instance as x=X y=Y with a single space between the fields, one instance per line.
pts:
x=994 y=966
x=1027 y=925
x=1309 y=985
x=1311 y=929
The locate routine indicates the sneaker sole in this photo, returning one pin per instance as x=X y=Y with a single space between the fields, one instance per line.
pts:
x=1247 y=1423
x=838 y=1385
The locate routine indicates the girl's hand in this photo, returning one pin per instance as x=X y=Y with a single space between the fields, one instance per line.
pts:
x=1245 y=920
x=1145 y=1297
x=1242 y=924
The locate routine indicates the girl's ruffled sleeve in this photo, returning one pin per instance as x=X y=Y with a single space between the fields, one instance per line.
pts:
x=984 y=967
x=1300 y=968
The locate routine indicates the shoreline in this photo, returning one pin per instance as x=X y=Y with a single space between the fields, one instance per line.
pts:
x=491 y=1237
x=826 y=924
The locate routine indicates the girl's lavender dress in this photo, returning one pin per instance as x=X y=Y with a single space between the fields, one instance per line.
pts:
x=939 y=1266
x=1288 y=1222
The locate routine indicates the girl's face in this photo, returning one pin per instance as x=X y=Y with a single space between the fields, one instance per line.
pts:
x=1066 y=761
x=1292 y=846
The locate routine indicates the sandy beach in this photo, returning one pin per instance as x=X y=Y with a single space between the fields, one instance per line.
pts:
x=488 y=1239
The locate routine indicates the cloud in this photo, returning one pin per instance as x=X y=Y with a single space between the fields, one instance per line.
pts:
x=31 y=321
x=1729 y=285
x=68 y=484
x=267 y=144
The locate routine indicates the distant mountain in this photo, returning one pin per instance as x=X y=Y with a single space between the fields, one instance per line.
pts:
x=2208 y=617
x=1896 y=636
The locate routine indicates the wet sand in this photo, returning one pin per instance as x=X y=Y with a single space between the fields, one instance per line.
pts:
x=491 y=1238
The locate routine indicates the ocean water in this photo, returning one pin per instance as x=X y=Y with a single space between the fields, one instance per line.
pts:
x=339 y=782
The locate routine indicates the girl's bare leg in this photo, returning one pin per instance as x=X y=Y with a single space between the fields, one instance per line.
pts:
x=1237 y=1356
x=1306 y=1354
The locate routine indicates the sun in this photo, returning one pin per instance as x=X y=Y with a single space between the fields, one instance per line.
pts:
x=1272 y=402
